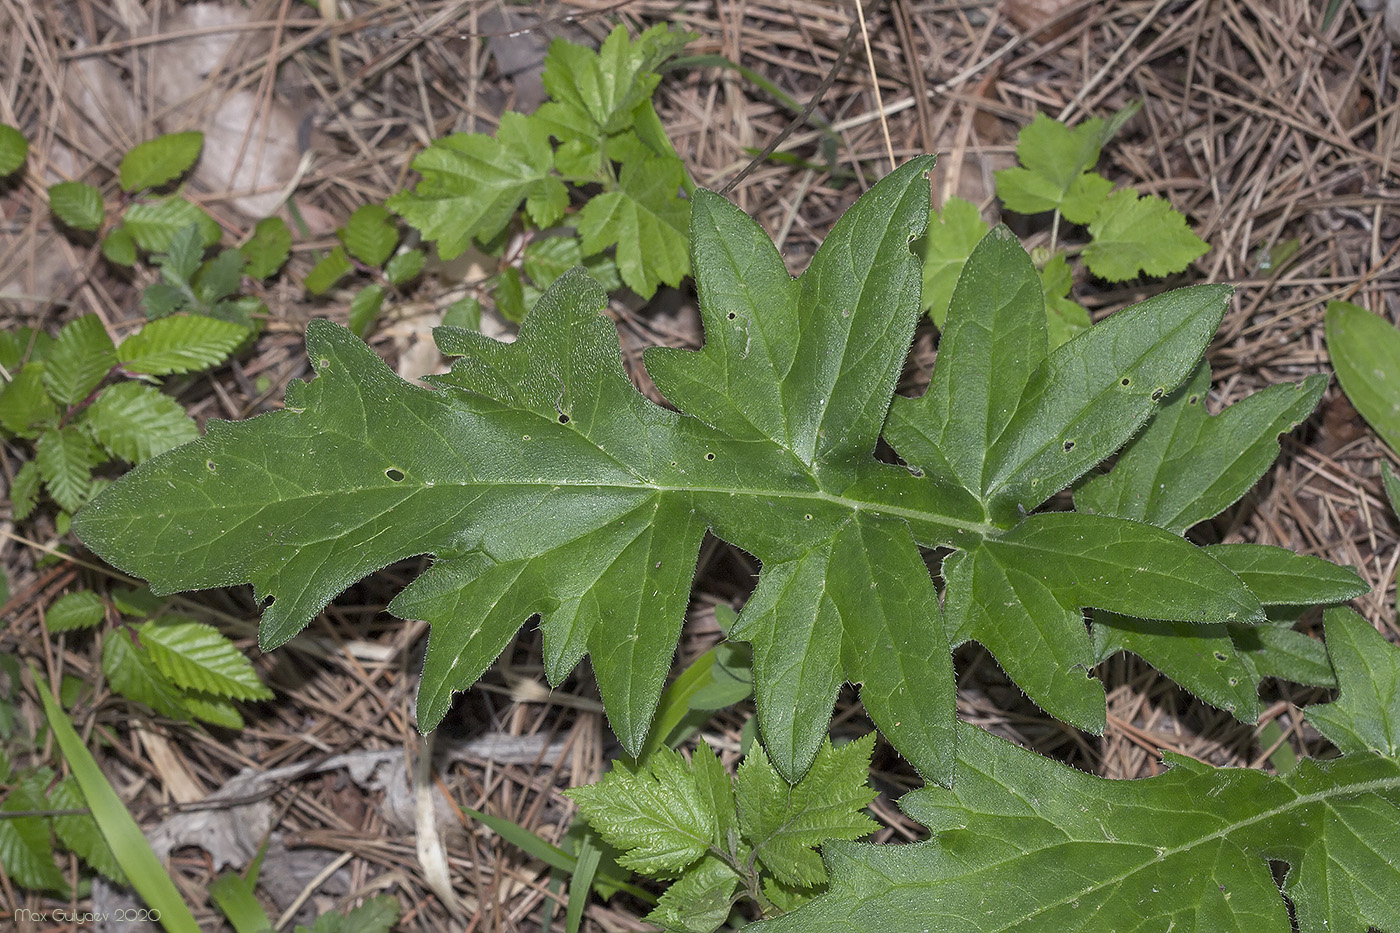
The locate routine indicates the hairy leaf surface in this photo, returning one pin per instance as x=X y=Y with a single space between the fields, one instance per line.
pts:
x=544 y=483
x=1025 y=843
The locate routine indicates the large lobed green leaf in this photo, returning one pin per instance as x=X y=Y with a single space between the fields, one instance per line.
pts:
x=543 y=482
x=1025 y=843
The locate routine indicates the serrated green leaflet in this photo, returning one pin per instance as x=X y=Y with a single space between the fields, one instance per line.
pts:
x=785 y=824
x=1054 y=171
x=646 y=219
x=654 y=813
x=157 y=161
x=1134 y=235
x=473 y=184
x=370 y=235
x=66 y=457
x=1024 y=843
x=195 y=656
x=81 y=356
x=545 y=483
x=26 y=850
x=76 y=204
x=80 y=832
x=179 y=344
x=1365 y=351
x=154 y=223
x=268 y=248
x=74 y=611
x=328 y=271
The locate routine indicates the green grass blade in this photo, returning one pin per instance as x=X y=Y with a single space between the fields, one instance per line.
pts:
x=582 y=883
x=145 y=871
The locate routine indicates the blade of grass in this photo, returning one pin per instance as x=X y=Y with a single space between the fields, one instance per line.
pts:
x=542 y=849
x=582 y=883
x=134 y=854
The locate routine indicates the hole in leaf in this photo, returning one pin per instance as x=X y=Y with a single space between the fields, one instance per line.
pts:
x=808 y=516
x=1233 y=681
x=1157 y=394
x=1069 y=445
x=395 y=474
x=563 y=419
x=1220 y=656
x=709 y=456
x=732 y=315
x=209 y=465
x=1125 y=381
x=323 y=363
x=1193 y=400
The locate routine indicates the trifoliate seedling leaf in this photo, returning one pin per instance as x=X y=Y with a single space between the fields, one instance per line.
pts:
x=267 y=250
x=81 y=357
x=79 y=831
x=135 y=422
x=1366 y=716
x=1024 y=843
x=405 y=266
x=1054 y=170
x=328 y=271
x=154 y=223
x=473 y=184
x=1365 y=351
x=13 y=149
x=786 y=823
x=945 y=249
x=600 y=91
x=196 y=656
x=77 y=204
x=119 y=247
x=72 y=611
x=157 y=161
x=370 y=235
x=182 y=344
x=66 y=457
x=364 y=309
x=653 y=813
x=646 y=219
x=25 y=406
x=1134 y=235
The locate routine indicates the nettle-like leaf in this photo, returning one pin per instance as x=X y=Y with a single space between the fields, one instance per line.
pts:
x=156 y=161
x=544 y=483
x=1054 y=173
x=1022 y=842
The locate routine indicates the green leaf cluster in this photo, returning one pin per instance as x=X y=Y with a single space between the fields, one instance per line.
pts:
x=597 y=129
x=180 y=667
x=1022 y=842
x=720 y=840
x=545 y=483
x=369 y=247
x=57 y=396
x=1129 y=235
x=27 y=849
